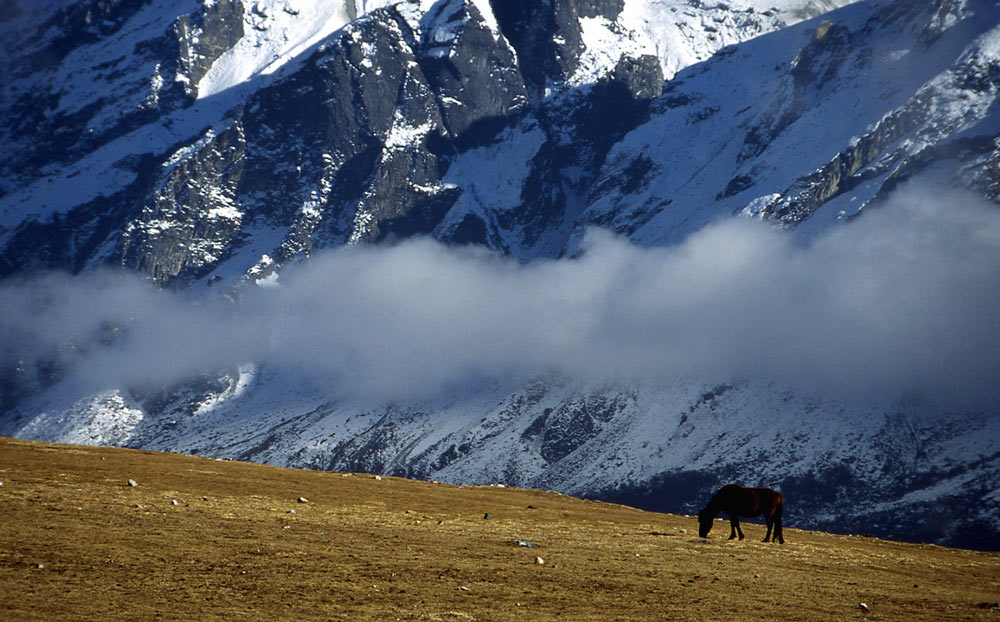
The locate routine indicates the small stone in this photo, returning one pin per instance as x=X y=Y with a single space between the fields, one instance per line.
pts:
x=133 y=483
x=487 y=516
x=206 y=498
x=138 y=505
x=539 y=561
x=526 y=543
x=463 y=588
x=174 y=502
x=291 y=511
x=303 y=500
x=378 y=478
x=863 y=607
x=684 y=530
x=40 y=566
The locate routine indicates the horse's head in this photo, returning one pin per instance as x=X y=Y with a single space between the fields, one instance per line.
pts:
x=705 y=520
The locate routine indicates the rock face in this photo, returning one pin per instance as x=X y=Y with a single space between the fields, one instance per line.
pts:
x=349 y=142
x=213 y=143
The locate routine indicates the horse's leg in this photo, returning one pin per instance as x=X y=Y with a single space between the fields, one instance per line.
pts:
x=735 y=523
x=770 y=524
x=777 y=530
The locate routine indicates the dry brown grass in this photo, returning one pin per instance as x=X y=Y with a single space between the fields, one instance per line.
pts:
x=74 y=544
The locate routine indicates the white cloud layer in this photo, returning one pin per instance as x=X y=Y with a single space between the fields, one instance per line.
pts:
x=901 y=303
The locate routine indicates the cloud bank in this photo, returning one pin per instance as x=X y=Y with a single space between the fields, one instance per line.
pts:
x=900 y=304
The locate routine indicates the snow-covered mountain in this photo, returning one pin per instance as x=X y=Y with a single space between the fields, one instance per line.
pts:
x=221 y=145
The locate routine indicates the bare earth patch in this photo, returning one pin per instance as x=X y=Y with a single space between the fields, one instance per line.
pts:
x=78 y=542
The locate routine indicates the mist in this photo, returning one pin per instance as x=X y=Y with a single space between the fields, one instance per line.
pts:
x=899 y=304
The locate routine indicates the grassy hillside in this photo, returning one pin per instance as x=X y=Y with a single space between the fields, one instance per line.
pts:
x=78 y=542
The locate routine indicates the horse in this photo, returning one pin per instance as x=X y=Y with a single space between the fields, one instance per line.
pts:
x=739 y=501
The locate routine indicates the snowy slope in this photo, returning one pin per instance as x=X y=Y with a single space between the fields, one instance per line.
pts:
x=801 y=108
x=277 y=31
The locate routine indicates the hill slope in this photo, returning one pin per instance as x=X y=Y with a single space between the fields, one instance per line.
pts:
x=79 y=543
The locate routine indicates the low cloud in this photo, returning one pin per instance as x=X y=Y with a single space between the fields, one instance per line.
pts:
x=900 y=304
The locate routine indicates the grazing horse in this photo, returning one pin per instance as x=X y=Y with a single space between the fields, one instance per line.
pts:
x=739 y=501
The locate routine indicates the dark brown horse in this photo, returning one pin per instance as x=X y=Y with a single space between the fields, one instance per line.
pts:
x=739 y=501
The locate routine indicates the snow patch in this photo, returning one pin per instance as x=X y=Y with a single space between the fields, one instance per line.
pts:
x=102 y=419
x=275 y=32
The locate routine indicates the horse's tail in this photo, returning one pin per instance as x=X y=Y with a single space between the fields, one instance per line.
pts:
x=779 y=510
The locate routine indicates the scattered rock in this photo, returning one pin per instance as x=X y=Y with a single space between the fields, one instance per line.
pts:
x=464 y=589
x=487 y=516
x=40 y=566
x=378 y=478
x=174 y=502
x=138 y=505
x=291 y=511
x=303 y=500
x=863 y=607
x=684 y=530
x=133 y=483
x=526 y=543
x=206 y=498
x=539 y=561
